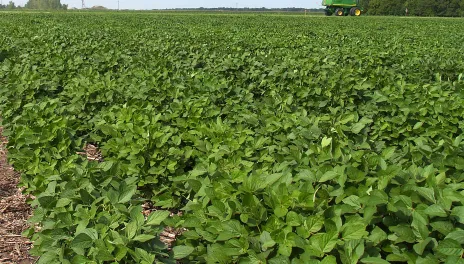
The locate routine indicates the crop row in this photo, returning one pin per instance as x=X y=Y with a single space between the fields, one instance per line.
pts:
x=278 y=139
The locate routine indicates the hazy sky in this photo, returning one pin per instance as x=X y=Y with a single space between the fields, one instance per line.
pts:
x=154 y=4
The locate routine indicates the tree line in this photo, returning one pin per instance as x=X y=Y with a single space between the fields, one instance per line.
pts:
x=10 y=5
x=37 y=4
x=448 y=8
x=250 y=9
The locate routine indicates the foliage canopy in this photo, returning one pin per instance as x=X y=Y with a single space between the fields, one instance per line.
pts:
x=281 y=139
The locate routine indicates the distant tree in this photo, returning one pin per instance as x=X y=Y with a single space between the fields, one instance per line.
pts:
x=422 y=7
x=45 y=4
x=32 y=4
x=461 y=9
x=448 y=8
x=382 y=7
x=11 y=5
x=364 y=4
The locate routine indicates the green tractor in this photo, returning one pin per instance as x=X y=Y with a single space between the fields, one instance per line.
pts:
x=342 y=7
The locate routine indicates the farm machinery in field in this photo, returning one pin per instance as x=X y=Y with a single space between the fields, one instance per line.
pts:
x=342 y=7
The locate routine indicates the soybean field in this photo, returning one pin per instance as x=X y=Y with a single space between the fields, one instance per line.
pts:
x=236 y=138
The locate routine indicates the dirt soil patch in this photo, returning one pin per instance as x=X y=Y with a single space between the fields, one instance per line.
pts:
x=14 y=212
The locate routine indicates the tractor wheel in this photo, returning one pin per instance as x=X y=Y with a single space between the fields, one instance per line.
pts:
x=339 y=12
x=355 y=11
x=328 y=12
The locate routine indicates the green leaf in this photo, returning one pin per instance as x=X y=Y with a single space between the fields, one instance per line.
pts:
x=81 y=241
x=324 y=242
x=457 y=141
x=106 y=165
x=143 y=238
x=266 y=240
x=278 y=260
x=404 y=232
x=280 y=211
x=257 y=182
x=453 y=260
x=63 y=202
x=418 y=125
x=353 y=200
x=226 y=235
x=172 y=165
x=388 y=153
x=47 y=201
x=377 y=235
x=131 y=229
x=314 y=223
x=157 y=217
x=450 y=247
x=435 y=210
x=329 y=260
x=92 y=233
x=458 y=212
x=427 y=193
x=285 y=248
x=356 y=128
x=216 y=254
x=420 y=247
x=144 y=256
x=270 y=179
x=126 y=192
x=374 y=260
x=457 y=235
x=137 y=215
x=181 y=252
x=326 y=142
x=235 y=227
x=443 y=227
x=103 y=255
x=48 y=257
x=86 y=197
x=420 y=226
x=328 y=176
x=346 y=118
x=293 y=219
x=197 y=172
x=121 y=252
x=354 y=231
x=78 y=259
x=117 y=238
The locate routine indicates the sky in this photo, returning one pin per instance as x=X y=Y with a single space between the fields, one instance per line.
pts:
x=157 y=4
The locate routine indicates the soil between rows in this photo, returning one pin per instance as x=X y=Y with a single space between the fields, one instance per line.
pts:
x=14 y=212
